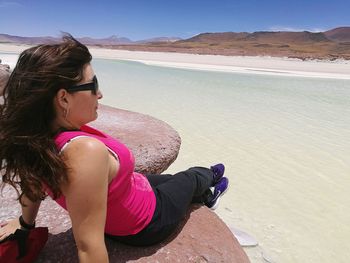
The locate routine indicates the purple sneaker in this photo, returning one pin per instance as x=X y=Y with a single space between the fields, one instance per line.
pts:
x=219 y=189
x=218 y=170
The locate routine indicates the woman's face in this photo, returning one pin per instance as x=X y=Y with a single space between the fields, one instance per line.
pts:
x=83 y=104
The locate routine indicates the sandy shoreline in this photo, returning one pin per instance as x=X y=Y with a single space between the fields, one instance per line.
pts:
x=238 y=64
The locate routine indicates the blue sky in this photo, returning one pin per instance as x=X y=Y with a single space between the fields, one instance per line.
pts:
x=176 y=18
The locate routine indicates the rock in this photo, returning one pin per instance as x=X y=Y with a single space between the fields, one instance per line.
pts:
x=4 y=76
x=4 y=67
x=154 y=143
x=202 y=237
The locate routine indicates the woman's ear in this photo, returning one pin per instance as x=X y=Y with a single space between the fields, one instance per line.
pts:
x=62 y=98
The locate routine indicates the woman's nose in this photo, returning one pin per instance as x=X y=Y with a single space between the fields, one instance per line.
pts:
x=99 y=95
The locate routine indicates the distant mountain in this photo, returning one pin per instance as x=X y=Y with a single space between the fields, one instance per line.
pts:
x=159 y=39
x=340 y=34
x=217 y=37
x=113 y=40
x=4 y=38
x=332 y=44
x=267 y=37
x=288 y=37
x=304 y=45
x=110 y=41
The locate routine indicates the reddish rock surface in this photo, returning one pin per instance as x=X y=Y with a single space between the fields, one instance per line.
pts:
x=4 y=75
x=203 y=236
x=154 y=143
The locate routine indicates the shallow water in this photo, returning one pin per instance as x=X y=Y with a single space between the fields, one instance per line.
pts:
x=284 y=141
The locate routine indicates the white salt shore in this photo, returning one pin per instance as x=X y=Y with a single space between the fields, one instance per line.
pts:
x=256 y=65
x=241 y=64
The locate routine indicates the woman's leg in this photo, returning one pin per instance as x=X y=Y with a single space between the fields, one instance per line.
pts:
x=156 y=179
x=178 y=193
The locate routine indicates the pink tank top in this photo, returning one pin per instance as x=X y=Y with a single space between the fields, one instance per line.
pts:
x=131 y=201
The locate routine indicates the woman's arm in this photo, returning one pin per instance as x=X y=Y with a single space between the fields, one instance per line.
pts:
x=29 y=213
x=86 y=196
x=29 y=210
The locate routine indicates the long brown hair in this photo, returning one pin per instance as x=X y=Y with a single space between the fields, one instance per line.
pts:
x=28 y=155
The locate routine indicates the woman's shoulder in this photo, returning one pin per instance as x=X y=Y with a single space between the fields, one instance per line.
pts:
x=88 y=164
x=85 y=147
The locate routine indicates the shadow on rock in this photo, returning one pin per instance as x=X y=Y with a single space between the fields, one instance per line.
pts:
x=62 y=248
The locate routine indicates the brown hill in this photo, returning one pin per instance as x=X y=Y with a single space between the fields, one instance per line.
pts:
x=332 y=44
x=303 y=45
x=261 y=37
x=340 y=34
x=287 y=37
x=216 y=37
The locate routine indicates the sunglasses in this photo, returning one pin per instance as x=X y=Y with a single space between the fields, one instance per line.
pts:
x=93 y=86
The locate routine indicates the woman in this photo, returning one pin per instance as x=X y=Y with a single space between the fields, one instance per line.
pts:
x=47 y=148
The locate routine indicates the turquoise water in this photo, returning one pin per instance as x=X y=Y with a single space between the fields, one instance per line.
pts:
x=285 y=142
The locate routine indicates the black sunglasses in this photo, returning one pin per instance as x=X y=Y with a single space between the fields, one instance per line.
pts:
x=93 y=86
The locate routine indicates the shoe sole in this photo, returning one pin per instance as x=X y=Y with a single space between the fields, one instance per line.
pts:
x=218 y=199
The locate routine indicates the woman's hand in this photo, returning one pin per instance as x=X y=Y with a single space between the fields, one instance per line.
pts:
x=9 y=228
x=29 y=212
